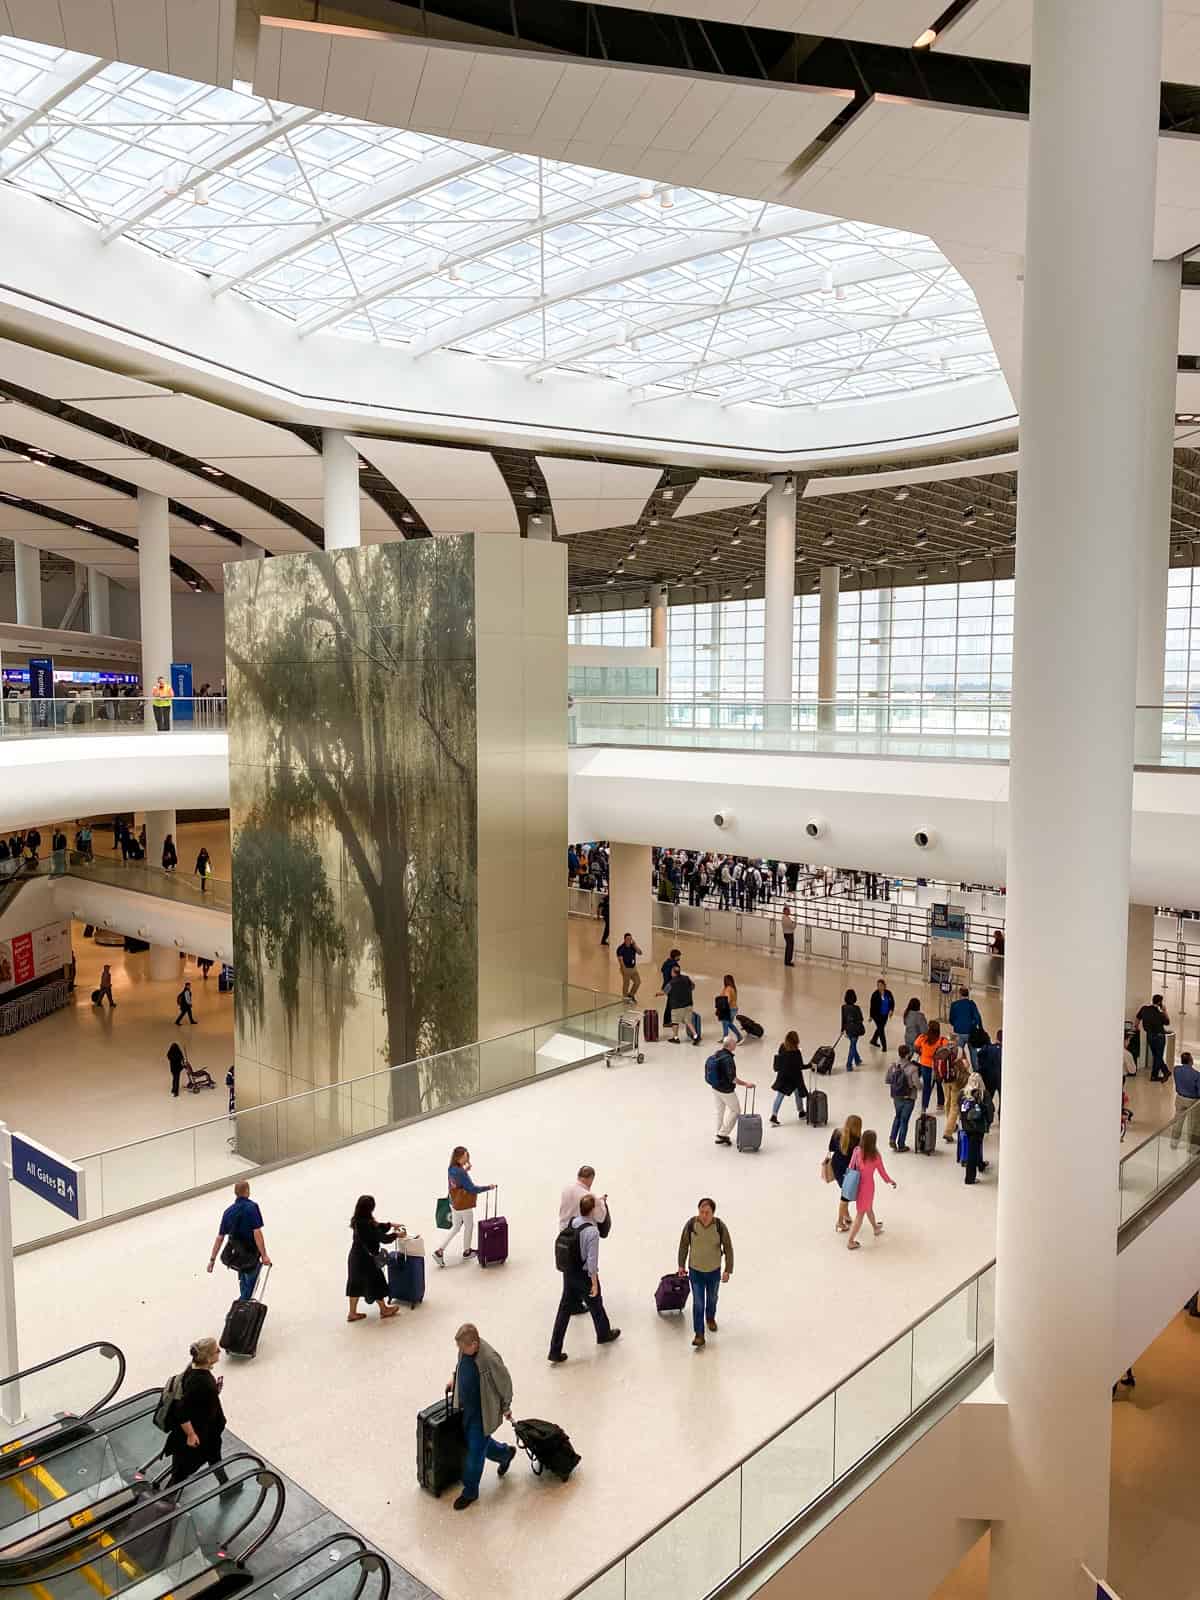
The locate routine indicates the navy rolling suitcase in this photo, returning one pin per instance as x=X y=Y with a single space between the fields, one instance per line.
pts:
x=961 y=1149
x=492 y=1245
x=406 y=1272
x=441 y=1446
x=244 y=1322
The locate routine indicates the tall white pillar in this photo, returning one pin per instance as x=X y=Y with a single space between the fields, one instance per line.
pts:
x=154 y=591
x=28 y=563
x=1139 y=959
x=658 y=635
x=827 y=648
x=1154 y=535
x=99 y=606
x=779 y=573
x=629 y=902
x=343 y=524
x=1089 y=239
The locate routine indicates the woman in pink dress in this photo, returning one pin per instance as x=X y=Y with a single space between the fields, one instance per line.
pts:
x=866 y=1161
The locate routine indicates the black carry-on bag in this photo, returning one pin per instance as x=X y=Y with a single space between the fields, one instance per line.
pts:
x=244 y=1323
x=547 y=1445
x=441 y=1445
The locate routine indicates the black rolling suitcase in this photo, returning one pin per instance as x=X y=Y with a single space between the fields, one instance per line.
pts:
x=244 y=1324
x=817 y=1108
x=754 y=1029
x=926 y=1135
x=441 y=1446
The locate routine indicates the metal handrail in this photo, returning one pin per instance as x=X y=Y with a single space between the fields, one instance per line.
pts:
x=106 y=1348
x=358 y=1554
x=18 y=1461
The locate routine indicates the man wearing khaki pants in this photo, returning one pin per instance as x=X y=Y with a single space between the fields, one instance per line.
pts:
x=631 y=979
x=1187 y=1098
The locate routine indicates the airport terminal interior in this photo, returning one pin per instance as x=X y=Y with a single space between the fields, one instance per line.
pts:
x=597 y=619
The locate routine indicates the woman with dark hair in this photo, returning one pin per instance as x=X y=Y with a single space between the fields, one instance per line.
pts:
x=915 y=1023
x=789 y=1077
x=364 y=1275
x=725 y=1007
x=853 y=1027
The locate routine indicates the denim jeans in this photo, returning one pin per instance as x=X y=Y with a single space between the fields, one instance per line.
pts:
x=962 y=1039
x=901 y=1120
x=1158 y=1059
x=247 y=1280
x=481 y=1447
x=781 y=1095
x=928 y=1084
x=853 y=1059
x=705 y=1288
x=729 y=1026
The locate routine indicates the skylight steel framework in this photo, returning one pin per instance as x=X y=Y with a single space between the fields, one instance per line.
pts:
x=431 y=244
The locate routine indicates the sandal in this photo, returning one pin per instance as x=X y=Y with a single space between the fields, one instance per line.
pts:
x=388 y=1311
x=854 y=1245
x=359 y=1316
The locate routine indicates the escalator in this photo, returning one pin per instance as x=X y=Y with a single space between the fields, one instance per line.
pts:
x=339 y=1568
x=192 y=1542
x=44 y=1406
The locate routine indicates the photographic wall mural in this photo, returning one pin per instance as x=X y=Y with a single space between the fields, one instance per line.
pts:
x=355 y=751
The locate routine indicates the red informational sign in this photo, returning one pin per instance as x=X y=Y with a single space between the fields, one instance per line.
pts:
x=22 y=959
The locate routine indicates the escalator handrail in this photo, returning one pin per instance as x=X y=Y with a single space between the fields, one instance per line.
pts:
x=42 y=1566
x=105 y=1346
x=369 y=1560
x=17 y=1461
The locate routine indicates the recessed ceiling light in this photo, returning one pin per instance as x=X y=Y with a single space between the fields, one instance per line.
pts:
x=726 y=594
x=827 y=539
x=666 y=199
x=901 y=495
x=755 y=520
x=205 y=527
x=654 y=522
x=747 y=585
x=620 y=567
x=881 y=560
x=922 y=574
x=407 y=516
x=82 y=527
x=643 y=538
x=864 y=516
x=530 y=492
x=737 y=536
x=632 y=555
x=536 y=520
x=925 y=40
x=716 y=554
x=969 y=517
x=922 y=538
x=213 y=472
x=610 y=579
x=696 y=570
x=668 y=494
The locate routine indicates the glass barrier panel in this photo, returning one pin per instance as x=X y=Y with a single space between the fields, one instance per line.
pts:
x=503 y=1062
x=786 y=1475
x=1178 y=1146
x=694 y=1552
x=144 y=1172
x=1139 y=1178
x=944 y=1343
x=65 y=1389
x=986 y=1308
x=215 y=1154
x=872 y=1403
x=559 y=1044
x=35 y=1499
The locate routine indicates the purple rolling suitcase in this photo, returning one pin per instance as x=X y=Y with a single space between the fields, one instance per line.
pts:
x=672 y=1293
x=492 y=1245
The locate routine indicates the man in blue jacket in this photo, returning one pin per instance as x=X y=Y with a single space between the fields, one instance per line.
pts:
x=964 y=1019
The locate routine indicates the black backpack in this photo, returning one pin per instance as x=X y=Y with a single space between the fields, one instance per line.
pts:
x=568 y=1249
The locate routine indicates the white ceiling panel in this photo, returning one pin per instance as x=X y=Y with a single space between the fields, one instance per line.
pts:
x=63 y=438
x=64 y=379
x=594 y=494
x=715 y=494
x=864 y=482
x=199 y=428
x=897 y=22
x=36 y=482
x=1002 y=30
x=454 y=491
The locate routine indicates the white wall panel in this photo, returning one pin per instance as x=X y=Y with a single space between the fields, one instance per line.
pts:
x=90 y=27
x=594 y=494
x=142 y=33
x=716 y=494
x=40 y=20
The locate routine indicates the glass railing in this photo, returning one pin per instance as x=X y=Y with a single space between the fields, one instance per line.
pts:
x=188 y=888
x=89 y=714
x=169 y=1165
x=701 y=1546
x=970 y=727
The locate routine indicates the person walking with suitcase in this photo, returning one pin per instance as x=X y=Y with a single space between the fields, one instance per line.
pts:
x=462 y=1189
x=721 y=1076
x=725 y=1008
x=602 y=911
x=241 y=1233
x=706 y=1259
x=105 y=989
x=577 y=1257
x=789 y=1077
x=955 y=1074
x=484 y=1391
x=852 y=1027
x=903 y=1081
x=631 y=979
x=865 y=1164
x=681 y=1000
x=883 y=1004
x=197 y=1418
x=364 y=1275
x=184 y=1001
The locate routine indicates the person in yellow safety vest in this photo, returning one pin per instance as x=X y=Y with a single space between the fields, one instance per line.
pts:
x=162 y=695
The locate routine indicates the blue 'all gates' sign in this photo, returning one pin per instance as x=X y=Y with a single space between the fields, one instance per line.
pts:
x=49 y=1176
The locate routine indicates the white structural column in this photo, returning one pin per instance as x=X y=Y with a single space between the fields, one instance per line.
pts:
x=27 y=561
x=1139 y=959
x=1089 y=235
x=1154 y=542
x=343 y=522
x=779 y=572
x=629 y=906
x=658 y=635
x=154 y=591
x=827 y=648
x=99 y=603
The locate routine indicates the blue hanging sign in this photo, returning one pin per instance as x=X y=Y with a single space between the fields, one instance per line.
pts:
x=41 y=689
x=182 y=707
x=49 y=1176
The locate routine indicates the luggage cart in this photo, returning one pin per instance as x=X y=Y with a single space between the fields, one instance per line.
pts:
x=629 y=1040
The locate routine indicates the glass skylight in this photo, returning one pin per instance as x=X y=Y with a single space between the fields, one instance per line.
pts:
x=427 y=243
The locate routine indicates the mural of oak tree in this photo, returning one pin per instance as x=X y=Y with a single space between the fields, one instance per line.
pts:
x=353 y=768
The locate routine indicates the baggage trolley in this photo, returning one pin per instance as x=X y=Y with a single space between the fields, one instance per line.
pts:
x=629 y=1039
